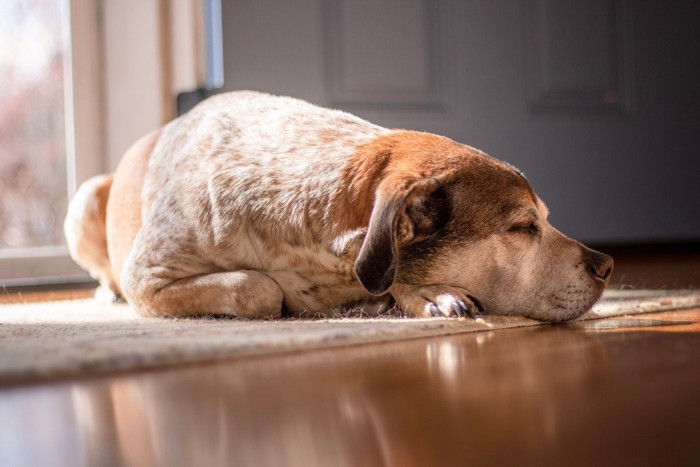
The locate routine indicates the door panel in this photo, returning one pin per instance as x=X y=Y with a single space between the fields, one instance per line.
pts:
x=596 y=101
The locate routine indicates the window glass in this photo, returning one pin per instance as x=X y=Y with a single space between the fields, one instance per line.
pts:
x=33 y=187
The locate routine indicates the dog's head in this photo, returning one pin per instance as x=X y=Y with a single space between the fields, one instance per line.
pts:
x=445 y=213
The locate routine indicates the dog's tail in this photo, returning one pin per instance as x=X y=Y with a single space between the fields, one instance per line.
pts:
x=86 y=233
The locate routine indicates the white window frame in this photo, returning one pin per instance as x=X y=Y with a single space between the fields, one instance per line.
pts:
x=126 y=61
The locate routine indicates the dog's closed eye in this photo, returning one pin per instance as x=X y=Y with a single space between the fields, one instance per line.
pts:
x=528 y=228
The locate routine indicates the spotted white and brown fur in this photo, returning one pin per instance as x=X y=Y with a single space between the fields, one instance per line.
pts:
x=251 y=203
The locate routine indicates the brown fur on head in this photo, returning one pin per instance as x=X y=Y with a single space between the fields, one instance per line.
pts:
x=449 y=214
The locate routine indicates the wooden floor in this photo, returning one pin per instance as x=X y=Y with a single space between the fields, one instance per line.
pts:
x=621 y=391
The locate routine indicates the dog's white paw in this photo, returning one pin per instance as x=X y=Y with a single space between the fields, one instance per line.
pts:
x=105 y=295
x=436 y=301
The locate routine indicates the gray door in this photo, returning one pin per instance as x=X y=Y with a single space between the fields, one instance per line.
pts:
x=597 y=101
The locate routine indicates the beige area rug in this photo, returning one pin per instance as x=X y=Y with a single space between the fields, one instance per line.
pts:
x=40 y=341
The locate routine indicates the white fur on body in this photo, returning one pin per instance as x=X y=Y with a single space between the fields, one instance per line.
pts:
x=245 y=183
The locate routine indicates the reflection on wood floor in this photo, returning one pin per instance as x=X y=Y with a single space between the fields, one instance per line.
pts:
x=620 y=391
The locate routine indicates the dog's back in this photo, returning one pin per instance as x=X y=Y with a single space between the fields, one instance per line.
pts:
x=266 y=158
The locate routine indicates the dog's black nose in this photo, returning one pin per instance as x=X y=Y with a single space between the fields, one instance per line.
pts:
x=598 y=264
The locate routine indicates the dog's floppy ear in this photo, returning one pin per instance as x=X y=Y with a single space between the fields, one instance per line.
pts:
x=375 y=265
x=394 y=220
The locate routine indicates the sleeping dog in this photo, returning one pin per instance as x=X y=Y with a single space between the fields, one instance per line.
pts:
x=250 y=204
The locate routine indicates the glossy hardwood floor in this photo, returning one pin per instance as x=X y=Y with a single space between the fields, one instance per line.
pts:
x=622 y=391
